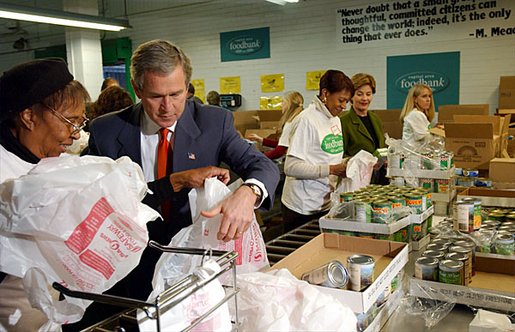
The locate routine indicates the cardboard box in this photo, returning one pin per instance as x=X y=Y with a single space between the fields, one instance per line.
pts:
x=269 y=115
x=502 y=170
x=491 y=197
x=244 y=120
x=507 y=92
x=390 y=258
x=473 y=145
x=391 y=122
x=269 y=125
x=492 y=287
x=265 y=133
x=446 y=113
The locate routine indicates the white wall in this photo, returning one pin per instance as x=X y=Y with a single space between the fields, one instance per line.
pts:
x=303 y=38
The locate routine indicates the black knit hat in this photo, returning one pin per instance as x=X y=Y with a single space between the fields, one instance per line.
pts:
x=29 y=83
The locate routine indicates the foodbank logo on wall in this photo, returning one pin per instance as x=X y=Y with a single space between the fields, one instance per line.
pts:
x=437 y=81
x=244 y=45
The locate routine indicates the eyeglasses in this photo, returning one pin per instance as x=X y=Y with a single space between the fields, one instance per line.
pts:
x=76 y=127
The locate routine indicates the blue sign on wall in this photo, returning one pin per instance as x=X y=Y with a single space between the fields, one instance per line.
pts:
x=245 y=44
x=441 y=71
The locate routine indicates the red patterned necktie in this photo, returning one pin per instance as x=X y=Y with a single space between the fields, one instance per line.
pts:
x=164 y=166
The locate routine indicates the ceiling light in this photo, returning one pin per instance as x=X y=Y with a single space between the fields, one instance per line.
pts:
x=40 y=15
x=282 y=2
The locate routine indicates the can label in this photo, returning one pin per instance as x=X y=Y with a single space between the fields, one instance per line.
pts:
x=445 y=161
x=415 y=202
x=381 y=212
x=426 y=272
x=361 y=276
x=363 y=212
x=441 y=185
x=426 y=183
x=450 y=277
x=465 y=217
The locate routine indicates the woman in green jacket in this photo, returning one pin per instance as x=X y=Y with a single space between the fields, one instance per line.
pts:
x=363 y=130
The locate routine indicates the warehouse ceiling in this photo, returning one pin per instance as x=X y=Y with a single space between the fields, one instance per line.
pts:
x=18 y=36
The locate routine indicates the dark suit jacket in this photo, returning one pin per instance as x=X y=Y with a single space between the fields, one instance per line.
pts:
x=204 y=136
x=356 y=136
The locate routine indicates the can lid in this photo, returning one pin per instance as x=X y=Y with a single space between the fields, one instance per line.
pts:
x=457 y=256
x=427 y=261
x=337 y=274
x=450 y=264
x=360 y=259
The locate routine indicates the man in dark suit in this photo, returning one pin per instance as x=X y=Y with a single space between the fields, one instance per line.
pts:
x=201 y=137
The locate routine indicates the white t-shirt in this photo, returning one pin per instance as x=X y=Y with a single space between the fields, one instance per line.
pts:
x=415 y=129
x=316 y=138
x=284 y=140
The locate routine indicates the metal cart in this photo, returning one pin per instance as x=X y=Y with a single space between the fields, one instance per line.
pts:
x=172 y=296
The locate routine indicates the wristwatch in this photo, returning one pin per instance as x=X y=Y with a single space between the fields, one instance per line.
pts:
x=256 y=190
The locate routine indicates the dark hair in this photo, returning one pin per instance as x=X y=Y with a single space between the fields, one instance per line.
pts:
x=109 y=81
x=191 y=89
x=213 y=98
x=112 y=99
x=335 y=81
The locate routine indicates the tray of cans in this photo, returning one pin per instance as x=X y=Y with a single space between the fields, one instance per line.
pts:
x=353 y=226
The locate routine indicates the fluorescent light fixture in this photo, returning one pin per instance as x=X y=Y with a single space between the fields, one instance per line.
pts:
x=282 y=2
x=40 y=15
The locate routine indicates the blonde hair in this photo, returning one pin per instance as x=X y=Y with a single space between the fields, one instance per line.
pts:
x=415 y=91
x=361 y=79
x=292 y=105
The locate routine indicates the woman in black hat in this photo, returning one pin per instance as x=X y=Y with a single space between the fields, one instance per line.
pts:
x=41 y=113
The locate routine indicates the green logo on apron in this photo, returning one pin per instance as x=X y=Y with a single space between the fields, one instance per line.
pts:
x=332 y=144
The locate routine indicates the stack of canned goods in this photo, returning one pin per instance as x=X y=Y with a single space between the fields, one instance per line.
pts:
x=449 y=261
x=377 y=204
x=497 y=235
x=432 y=160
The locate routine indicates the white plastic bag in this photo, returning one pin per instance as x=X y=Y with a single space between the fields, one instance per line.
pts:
x=78 y=221
x=359 y=172
x=202 y=234
x=184 y=313
x=277 y=301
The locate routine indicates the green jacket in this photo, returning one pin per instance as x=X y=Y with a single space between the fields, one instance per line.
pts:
x=356 y=136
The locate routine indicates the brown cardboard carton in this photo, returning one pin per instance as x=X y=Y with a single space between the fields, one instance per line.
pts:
x=473 y=144
x=490 y=197
x=502 y=170
x=446 y=112
x=390 y=258
x=507 y=92
x=244 y=120
x=392 y=124
x=265 y=133
x=269 y=125
x=269 y=115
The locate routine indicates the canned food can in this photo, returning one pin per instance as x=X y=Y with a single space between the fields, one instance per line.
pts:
x=504 y=244
x=434 y=254
x=446 y=160
x=436 y=247
x=471 y=173
x=427 y=161
x=426 y=268
x=416 y=232
x=333 y=274
x=414 y=201
x=361 y=271
x=395 y=160
x=362 y=211
x=346 y=197
x=450 y=272
x=465 y=216
x=465 y=259
x=467 y=268
x=442 y=186
x=477 y=211
x=398 y=181
x=496 y=216
x=397 y=201
x=426 y=183
x=381 y=211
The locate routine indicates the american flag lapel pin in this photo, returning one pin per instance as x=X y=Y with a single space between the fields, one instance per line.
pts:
x=191 y=156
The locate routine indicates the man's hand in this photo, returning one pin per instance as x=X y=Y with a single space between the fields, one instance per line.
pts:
x=237 y=214
x=194 y=178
